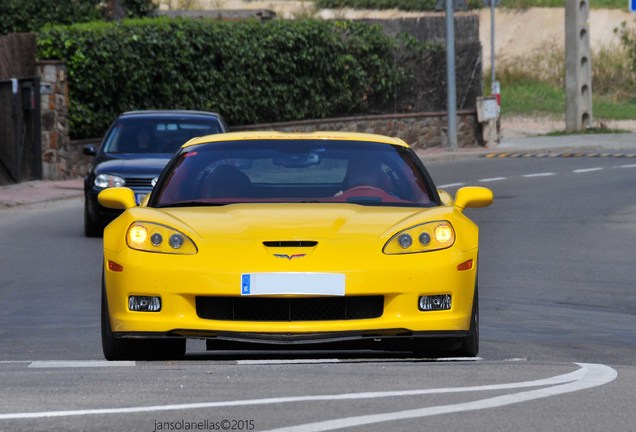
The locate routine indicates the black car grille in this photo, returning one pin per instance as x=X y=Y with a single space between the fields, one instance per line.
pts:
x=133 y=182
x=291 y=243
x=289 y=309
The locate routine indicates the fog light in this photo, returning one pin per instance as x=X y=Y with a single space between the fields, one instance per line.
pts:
x=144 y=303
x=435 y=302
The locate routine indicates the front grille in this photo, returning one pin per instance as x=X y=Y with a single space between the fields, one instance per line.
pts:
x=138 y=182
x=291 y=243
x=289 y=309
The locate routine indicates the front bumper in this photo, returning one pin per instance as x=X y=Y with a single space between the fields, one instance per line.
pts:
x=400 y=280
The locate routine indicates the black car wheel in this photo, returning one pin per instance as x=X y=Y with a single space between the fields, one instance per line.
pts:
x=139 y=348
x=91 y=227
x=470 y=343
x=467 y=346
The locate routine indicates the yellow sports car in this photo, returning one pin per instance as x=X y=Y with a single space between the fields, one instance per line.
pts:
x=291 y=238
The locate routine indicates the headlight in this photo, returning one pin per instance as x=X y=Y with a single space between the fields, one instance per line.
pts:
x=104 y=181
x=421 y=238
x=149 y=237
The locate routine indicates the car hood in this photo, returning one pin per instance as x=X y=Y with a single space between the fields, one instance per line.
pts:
x=151 y=166
x=283 y=222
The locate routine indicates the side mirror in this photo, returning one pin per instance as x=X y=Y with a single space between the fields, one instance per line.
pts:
x=89 y=150
x=118 y=198
x=474 y=197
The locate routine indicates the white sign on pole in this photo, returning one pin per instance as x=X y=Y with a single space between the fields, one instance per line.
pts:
x=487 y=109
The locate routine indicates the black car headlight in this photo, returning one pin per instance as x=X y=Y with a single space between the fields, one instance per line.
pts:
x=104 y=181
x=421 y=238
x=152 y=237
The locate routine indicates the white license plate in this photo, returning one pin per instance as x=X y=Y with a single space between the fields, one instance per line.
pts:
x=329 y=284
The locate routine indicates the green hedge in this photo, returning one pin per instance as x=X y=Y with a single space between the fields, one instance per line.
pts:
x=250 y=72
x=32 y=15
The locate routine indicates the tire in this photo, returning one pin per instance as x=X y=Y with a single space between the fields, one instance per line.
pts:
x=91 y=227
x=137 y=348
x=470 y=344
x=467 y=346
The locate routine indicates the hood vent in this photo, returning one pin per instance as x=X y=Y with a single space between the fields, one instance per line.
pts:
x=290 y=243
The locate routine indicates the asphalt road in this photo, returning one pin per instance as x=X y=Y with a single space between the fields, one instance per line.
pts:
x=558 y=327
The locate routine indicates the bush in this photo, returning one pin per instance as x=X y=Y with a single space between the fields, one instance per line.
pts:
x=32 y=15
x=248 y=71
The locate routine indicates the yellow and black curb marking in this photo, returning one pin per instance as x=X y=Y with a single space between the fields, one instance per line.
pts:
x=501 y=155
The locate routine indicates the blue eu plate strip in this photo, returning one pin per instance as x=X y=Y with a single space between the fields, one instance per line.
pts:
x=245 y=284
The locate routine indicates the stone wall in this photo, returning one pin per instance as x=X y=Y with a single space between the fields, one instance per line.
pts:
x=420 y=130
x=60 y=158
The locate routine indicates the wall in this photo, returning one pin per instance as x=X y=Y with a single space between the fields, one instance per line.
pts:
x=419 y=130
x=60 y=159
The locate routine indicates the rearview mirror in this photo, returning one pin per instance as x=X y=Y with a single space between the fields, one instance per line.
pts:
x=118 y=198
x=297 y=160
x=474 y=197
x=89 y=150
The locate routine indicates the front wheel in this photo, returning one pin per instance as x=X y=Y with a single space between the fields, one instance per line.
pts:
x=470 y=344
x=136 y=349
x=467 y=346
x=91 y=227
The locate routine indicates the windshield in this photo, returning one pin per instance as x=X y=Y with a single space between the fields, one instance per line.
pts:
x=255 y=171
x=159 y=135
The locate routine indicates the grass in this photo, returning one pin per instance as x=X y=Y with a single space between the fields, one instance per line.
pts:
x=533 y=84
x=595 y=4
x=533 y=97
x=429 y=5
x=590 y=131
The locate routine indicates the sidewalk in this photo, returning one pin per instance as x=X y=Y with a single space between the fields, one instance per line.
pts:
x=40 y=191
x=623 y=144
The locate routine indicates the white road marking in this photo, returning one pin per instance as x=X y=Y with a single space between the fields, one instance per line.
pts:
x=289 y=361
x=586 y=170
x=493 y=179
x=450 y=185
x=543 y=174
x=320 y=361
x=627 y=166
x=588 y=375
x=78 y=364
x=594 y=375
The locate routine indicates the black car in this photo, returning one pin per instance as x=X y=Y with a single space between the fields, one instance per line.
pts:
x=134 y=151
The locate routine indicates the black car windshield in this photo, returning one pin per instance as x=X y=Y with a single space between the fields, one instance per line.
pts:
x=156 y=135
x=285 y=170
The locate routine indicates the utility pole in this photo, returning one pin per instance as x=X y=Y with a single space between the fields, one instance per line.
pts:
x=494 y=85
x=451 y=110
x=578 y=66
